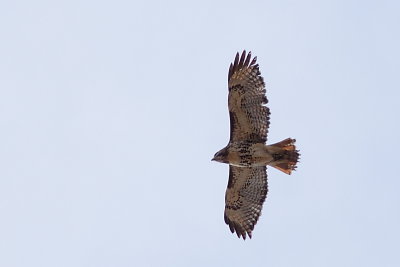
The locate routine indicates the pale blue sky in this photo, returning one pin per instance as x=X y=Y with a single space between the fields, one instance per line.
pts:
x=110 y=112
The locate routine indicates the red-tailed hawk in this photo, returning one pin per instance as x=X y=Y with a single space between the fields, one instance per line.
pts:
x=246 y=153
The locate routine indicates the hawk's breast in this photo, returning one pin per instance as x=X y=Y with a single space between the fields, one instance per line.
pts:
x=245 y=154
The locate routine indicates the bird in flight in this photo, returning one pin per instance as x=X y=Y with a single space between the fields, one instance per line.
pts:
x=247 y=153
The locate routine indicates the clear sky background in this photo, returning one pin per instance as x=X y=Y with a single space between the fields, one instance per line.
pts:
x=111 y=111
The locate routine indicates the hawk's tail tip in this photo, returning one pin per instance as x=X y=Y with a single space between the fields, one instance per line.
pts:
x=287 y=156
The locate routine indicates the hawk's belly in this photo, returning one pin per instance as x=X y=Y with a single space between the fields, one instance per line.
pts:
x=249 y=155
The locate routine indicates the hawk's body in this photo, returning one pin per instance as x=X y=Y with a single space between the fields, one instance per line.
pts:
x=246 y=153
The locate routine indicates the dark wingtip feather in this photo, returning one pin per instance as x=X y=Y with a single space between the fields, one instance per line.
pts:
x=246 y=63
x=236 y=59
x=242 y=60
x=242 y=57
x=236 y=228
x=253 y=61
x=230 y=71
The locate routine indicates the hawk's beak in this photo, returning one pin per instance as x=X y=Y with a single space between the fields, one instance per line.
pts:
x=213 y=159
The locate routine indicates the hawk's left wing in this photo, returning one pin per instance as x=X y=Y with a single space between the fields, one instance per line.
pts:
x=245 y=195
x=248 y=114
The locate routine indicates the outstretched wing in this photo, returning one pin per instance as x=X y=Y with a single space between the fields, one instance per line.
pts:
x=244 y=197
x=247 y=111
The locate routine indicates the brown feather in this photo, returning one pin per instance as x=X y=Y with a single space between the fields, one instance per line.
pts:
x=244 y=198
x=249 y=117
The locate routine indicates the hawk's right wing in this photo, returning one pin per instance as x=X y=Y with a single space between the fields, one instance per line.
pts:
x=244 y=198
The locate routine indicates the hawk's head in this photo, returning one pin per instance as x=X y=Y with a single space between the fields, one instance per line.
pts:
x=221 y=156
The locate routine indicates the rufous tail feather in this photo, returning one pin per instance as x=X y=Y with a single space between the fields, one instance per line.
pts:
x=285 y=155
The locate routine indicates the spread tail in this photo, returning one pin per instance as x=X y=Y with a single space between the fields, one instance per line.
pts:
x=285 y=155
